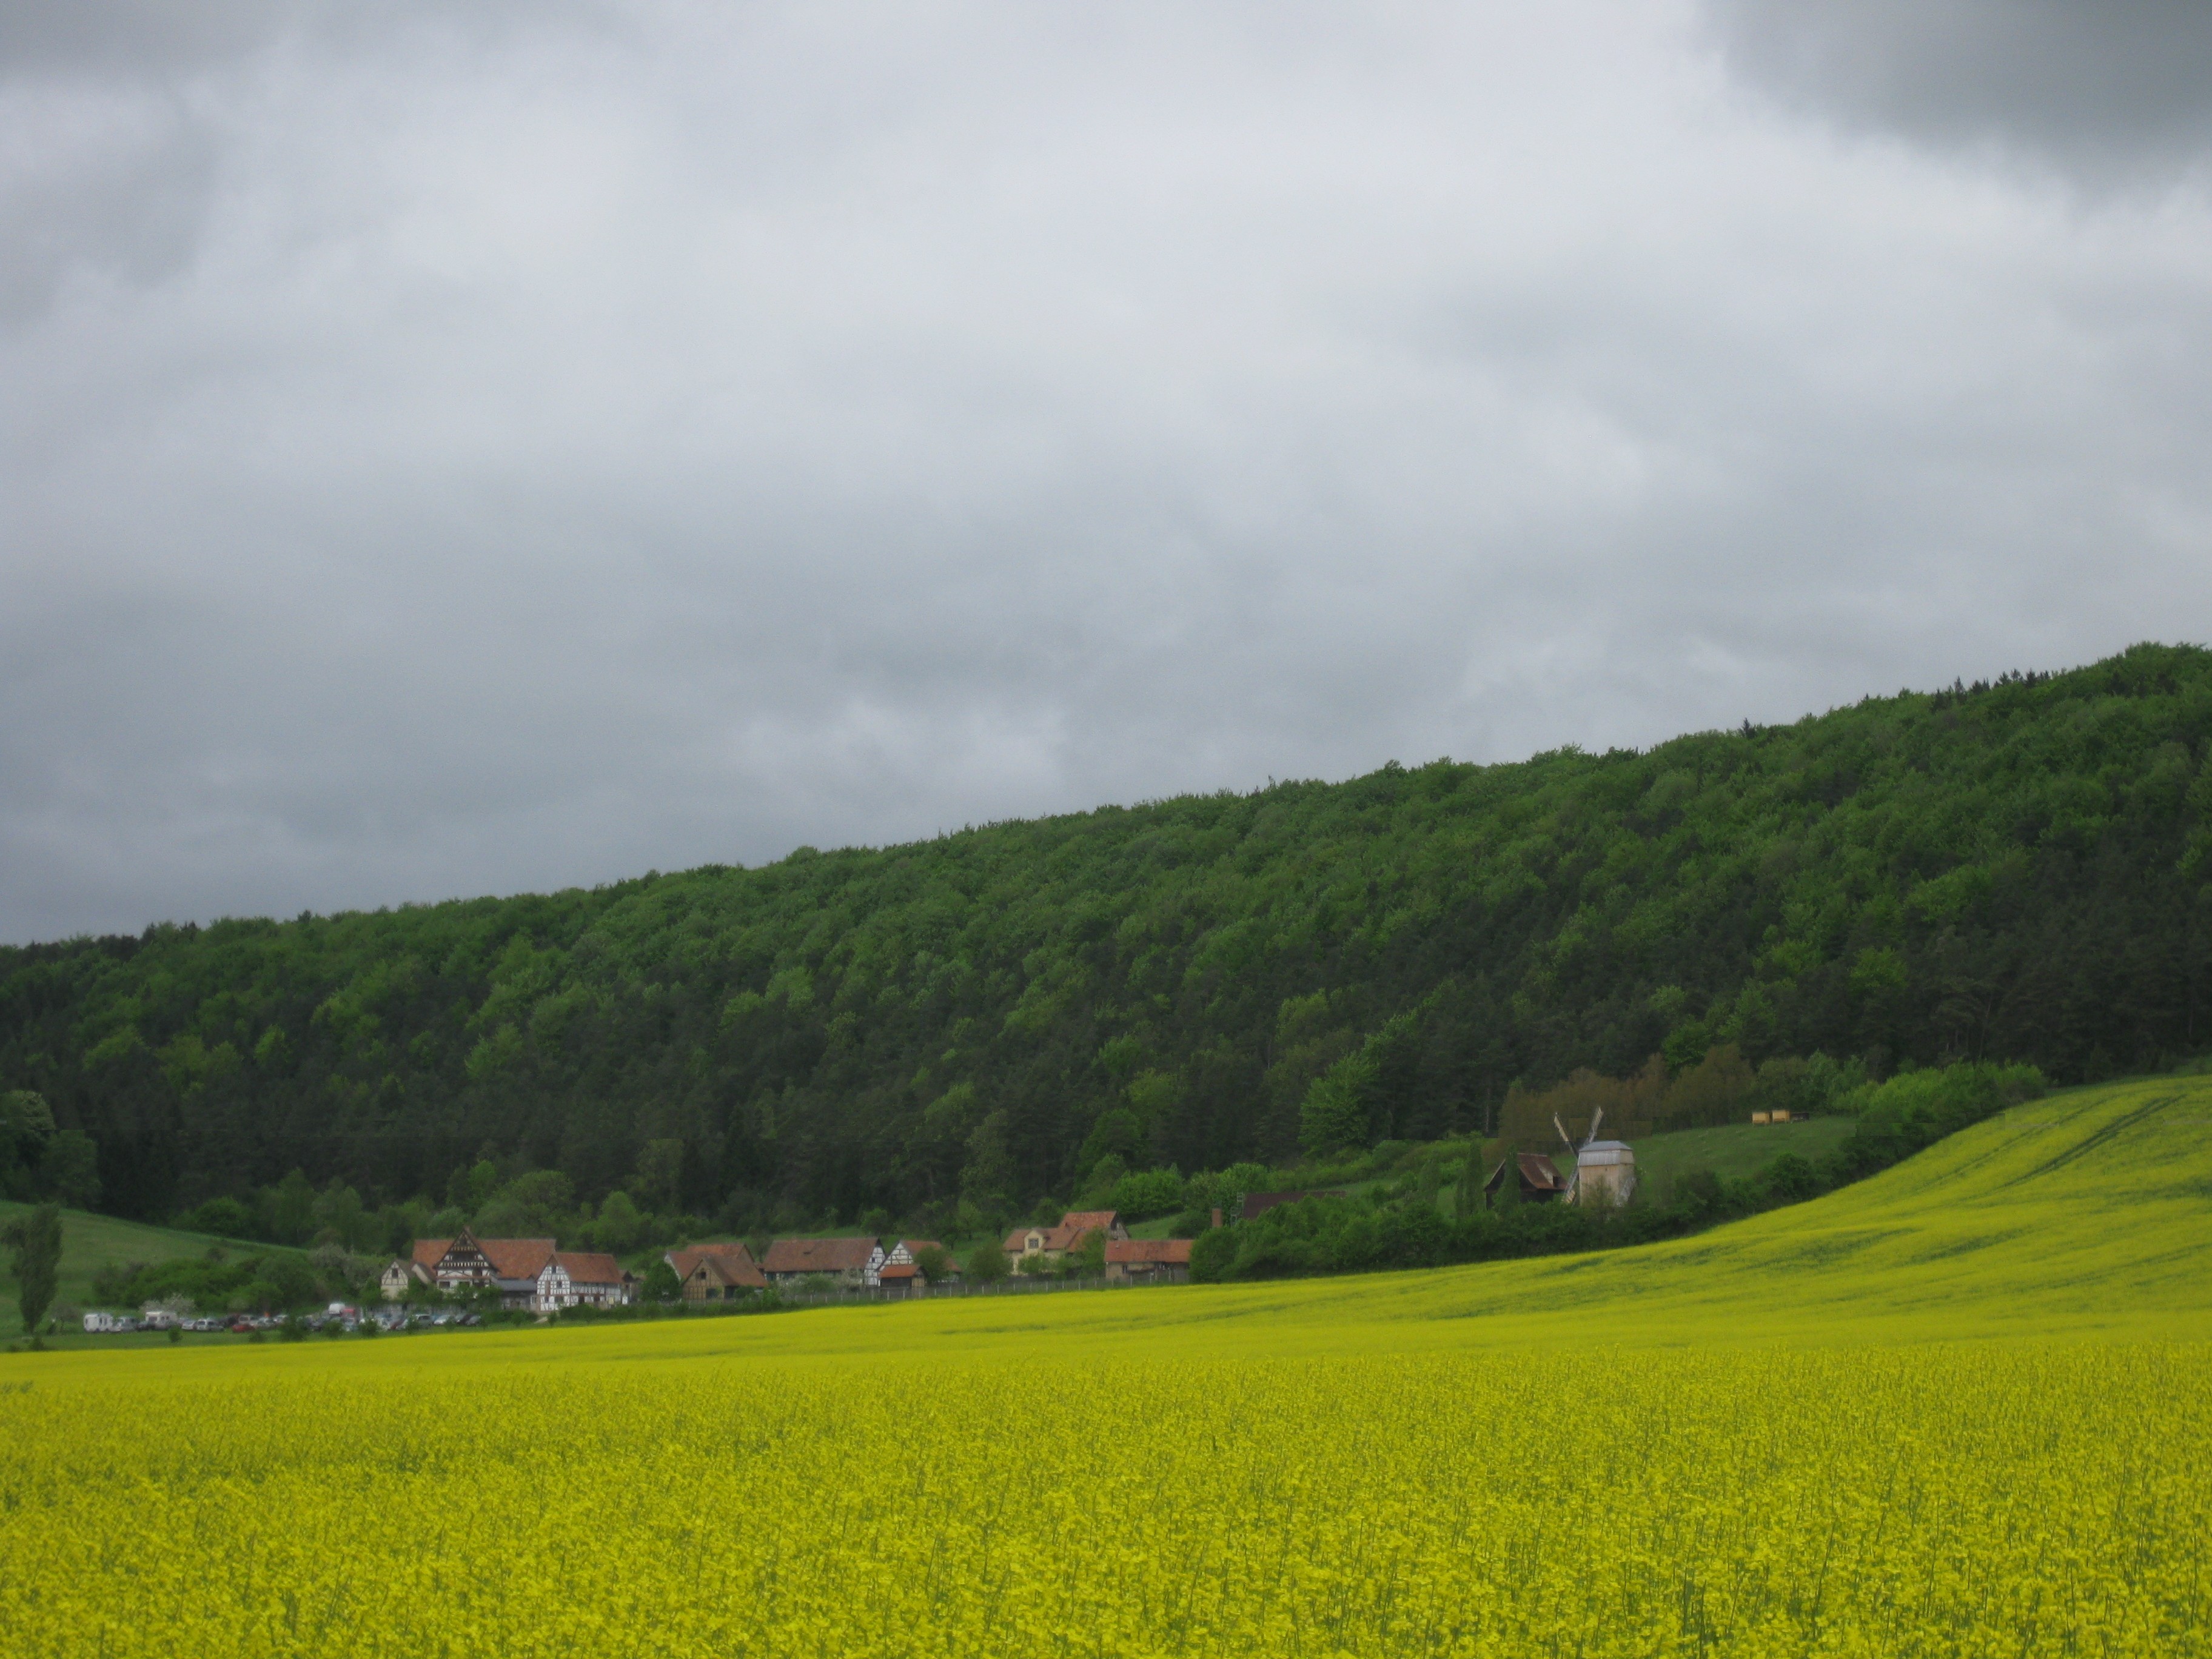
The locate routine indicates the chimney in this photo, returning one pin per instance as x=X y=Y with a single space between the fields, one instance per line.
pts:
x=1217 y=1215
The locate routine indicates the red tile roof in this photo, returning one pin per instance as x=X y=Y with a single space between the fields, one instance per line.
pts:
x=1076 y=1223
x=819 y=1255
x=899 y=1270
x=1165 y=1251
x=429 y=1252
x=1068 y=1234
x=517 y=1258
x=733 y=1262
x=915 y=1246
x=589 y=1267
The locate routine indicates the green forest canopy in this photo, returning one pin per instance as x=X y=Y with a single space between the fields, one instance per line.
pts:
x=2009 y=872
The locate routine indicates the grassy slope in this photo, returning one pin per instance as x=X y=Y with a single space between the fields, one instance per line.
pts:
x=90 y=1243
x=1737 y=1149
x=2089 y=1213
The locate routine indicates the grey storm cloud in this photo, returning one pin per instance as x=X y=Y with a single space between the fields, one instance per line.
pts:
x=2111 y=89
x=452 y=450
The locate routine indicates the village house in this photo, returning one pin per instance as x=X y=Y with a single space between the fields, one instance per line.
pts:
x=900 y=1278
x=1147 y=1260
x=1050 y=1245
x=902 y=1253
x=465 y=1264
x=428 y=1253
x=516 y=1263
x=587 y=1279
x=401 y=1279
x=852 y=1262
x=716 y=1273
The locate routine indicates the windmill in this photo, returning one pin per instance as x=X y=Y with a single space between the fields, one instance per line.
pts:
x=1610 y=1164
x=1574 y=1180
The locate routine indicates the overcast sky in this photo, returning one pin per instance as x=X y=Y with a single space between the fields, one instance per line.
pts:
x=451 y=450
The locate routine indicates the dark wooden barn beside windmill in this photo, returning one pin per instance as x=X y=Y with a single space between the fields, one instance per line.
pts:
x=1540 y=1180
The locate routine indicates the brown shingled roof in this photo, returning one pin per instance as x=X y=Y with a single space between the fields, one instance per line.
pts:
x=733 y=1261
x=517 y=1258
x=899 y=1270
x=819 y=1255
x=589 y=1267
x=1167 y=1252
x=1538 y=1175
x=429 y=1252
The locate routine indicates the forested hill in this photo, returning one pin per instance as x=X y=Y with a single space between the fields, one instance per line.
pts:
x=2016 y=870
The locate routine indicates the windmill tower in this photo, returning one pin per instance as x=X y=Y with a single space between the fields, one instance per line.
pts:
x=1605 y=1171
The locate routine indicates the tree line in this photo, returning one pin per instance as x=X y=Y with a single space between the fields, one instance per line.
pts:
x=956 y=1033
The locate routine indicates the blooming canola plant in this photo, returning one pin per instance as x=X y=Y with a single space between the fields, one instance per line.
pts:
x=1958 y=1409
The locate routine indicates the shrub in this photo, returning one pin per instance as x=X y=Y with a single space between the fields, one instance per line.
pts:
x=226 y=1217
x=987 y=1262
x=1148 y=1193
x=1213 y=1253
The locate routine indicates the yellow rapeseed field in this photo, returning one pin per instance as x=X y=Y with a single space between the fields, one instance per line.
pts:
x=1960 y=1410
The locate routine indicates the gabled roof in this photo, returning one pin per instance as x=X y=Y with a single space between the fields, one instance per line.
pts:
x=1539 y=1170
x=429 y=1252
x=517 y=1258
x=1076 y=1223
x=732 y=1263
x=899 y=1270
x=1068 y=1234
x=819 y=1255
x=1165 y=1251
x=1538 y=1174
x=914 y=1246
x=589 y=1267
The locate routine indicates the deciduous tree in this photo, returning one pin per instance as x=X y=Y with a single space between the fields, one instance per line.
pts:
x=33 y=1239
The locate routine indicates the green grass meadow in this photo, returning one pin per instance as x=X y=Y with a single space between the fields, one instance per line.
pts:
x=90 y=1243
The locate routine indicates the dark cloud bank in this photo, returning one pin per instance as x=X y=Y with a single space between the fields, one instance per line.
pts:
x=452 y=456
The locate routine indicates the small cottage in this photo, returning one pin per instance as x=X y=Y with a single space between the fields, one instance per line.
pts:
x=401 y=1279
x=1147 y=1260
x=581 y=1279
x=904 y=1252
x=716 y=1273
x=1051 y=1244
